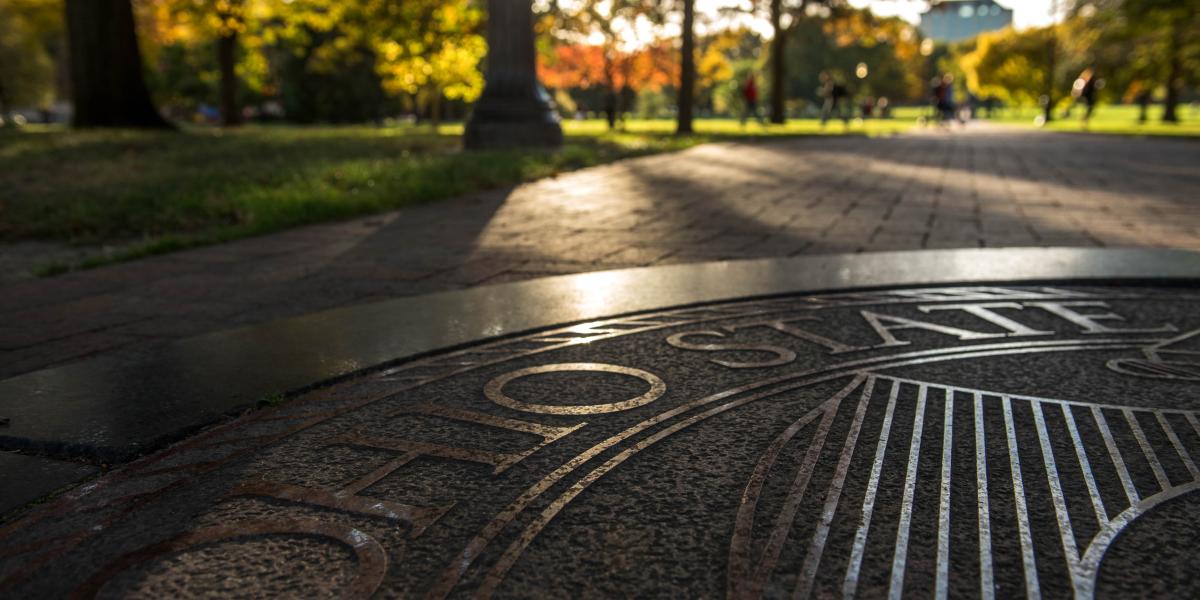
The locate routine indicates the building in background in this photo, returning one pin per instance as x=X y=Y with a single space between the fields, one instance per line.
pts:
x=956 y=20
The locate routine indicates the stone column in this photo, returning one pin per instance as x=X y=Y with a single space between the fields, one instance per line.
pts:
x=514 y=109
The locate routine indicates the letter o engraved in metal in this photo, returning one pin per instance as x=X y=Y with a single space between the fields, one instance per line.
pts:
x=494 y=390
x=371 y=557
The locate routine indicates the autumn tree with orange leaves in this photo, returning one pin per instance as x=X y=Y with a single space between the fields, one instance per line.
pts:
x=620 y=63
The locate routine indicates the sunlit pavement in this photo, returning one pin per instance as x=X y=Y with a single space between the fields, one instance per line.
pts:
x=979 y=187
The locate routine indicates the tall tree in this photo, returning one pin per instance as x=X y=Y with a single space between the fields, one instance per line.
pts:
x=25 y=63
x=784 y=16
x=1011 y=65
x=216 y=34
x=107 y=87
x=1047 y=98
x=615 y=22
x=1147 y=43
x=687 y=70
x=229 y=14
x=1172 y=27
x=430 y=48
x=778 y=72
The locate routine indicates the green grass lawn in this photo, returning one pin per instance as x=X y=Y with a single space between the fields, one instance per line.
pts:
x=152 y=192
x=1111 y=119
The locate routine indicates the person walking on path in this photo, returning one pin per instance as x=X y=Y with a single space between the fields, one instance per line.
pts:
x=1143 y=100
x=944 y=109
x=943 y=99
x=1141 y=94
x=836 y=100
x=750 y=101
x=1084 y=90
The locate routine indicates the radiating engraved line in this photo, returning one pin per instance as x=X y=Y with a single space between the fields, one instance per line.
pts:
x=1114 y=454
x=812 y=558
x=900 y=557
x=787 y=515
x=496 y=575
x=1179 y=449
x=1065 y=531
x=1085 y=466
x=1089 y=565
x=1014 y=461
x=1191 y=417
x=987 y=585
x=860 y=537
x=739 y=551
x=1159 y=474
x=1086 y=405
x=943 y=552
x=455 y=570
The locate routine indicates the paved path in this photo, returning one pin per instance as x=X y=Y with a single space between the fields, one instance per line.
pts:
x=983 y=187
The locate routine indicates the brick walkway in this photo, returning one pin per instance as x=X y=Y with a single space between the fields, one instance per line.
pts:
x=981 y=187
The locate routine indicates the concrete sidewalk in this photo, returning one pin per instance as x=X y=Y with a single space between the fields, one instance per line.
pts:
x=985 y=187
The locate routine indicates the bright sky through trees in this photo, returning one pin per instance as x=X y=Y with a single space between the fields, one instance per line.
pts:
x=1026 y=13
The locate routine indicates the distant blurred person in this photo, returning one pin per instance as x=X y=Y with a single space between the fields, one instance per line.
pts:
x=989 y=105
x=750 y=101
x=943 y=99
x=970 y=108
x=836 y=99
x=867 y=107
x=1084 y=90
x=610 y=108
x=1142 y=95
x=1143 y=101
x=884 y=107
x=936 y=91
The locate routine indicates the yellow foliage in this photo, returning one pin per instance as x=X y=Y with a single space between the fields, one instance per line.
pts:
x=442 y=54
x=713 y=66
x=1009 y=64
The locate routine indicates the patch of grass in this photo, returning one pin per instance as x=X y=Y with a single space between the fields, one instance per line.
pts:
x=155 y=192
x=1112 y=120
x=272 y=400
x=51 y=269
x=708 y=129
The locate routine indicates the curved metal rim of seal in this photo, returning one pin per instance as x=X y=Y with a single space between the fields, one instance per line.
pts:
x=444 y=320
x=439 y=321
x=193 y=382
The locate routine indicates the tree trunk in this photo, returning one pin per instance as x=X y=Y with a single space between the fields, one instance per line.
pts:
x=62 y=70
x=610 y=92
x=435 y=108
x=1174 y=75
x=1051 y=65
x=3 y=103
x=778 y=42
x=687 y=69
x=231 y=111
x=107 y=88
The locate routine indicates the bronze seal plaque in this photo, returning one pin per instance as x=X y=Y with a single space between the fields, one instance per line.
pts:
x=973 y=441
